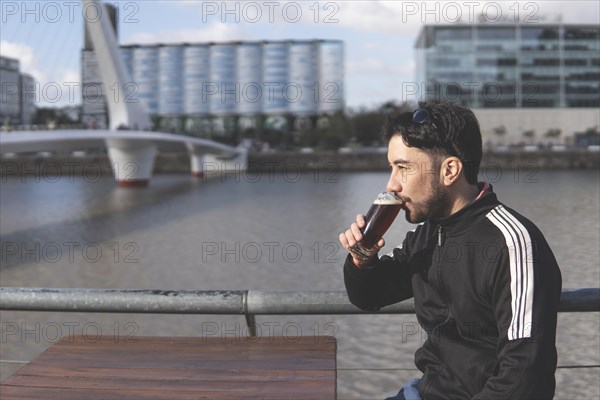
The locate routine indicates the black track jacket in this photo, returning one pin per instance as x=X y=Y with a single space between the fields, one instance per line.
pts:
x=486 y=288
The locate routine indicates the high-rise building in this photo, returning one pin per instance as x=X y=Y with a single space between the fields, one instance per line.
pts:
x=17 y=94
x=28 y=99
x=11 y=98
x=517 y=77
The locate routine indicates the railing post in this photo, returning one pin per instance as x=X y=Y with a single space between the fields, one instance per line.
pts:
x=250 y=318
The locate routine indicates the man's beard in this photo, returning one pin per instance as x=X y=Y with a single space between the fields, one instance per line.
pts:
x=432 y=208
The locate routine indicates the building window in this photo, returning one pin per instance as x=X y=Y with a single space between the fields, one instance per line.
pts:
x=443 y=34
x=487 y=62
x=507 y=61
x=539 y=33
x=489 y=47
x=447 y=62
x=582 y=33
x=575 y=61
x=485 y=33
x=546 y=61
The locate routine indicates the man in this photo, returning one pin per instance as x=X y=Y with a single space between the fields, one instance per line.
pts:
x=485 y=283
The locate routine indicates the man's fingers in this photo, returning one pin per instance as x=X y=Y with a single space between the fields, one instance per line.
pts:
x=347 y=239
x=356 y=232
x=342 y=239
x=360 y=221
x=352 y=236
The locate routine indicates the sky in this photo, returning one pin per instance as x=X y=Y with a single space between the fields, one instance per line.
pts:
x=379 y=36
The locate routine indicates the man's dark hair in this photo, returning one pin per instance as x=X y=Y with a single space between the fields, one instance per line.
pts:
x=451 y=131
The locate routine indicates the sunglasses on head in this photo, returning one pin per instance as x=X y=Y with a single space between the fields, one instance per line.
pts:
x=420 y=116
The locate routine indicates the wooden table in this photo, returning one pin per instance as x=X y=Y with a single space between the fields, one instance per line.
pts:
x=179 y=368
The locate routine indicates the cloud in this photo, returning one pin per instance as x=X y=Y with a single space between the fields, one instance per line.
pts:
x=389 y=57
x=60 y=87
x=71 y=75
x=73 y=78
x=216 y=32
x=367 y=66
x=377 y=16
x=371 y=80
x=406 y=17
x=27 y=60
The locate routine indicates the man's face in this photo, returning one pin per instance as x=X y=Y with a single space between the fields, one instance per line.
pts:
x=416 y=179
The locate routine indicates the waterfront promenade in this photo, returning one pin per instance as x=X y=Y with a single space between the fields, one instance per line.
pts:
x=493 y=163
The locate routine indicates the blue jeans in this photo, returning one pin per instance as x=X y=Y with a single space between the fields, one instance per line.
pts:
x=410 y=391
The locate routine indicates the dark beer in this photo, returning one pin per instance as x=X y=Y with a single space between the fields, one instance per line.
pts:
x=379 y=218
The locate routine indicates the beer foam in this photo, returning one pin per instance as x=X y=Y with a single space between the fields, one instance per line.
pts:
x=388 y=202
x=388 y=199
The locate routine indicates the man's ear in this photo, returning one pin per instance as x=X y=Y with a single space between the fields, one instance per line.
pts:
x=450 y=170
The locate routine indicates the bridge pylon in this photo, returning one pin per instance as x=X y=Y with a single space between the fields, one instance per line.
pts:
x=197 y=164
x=131 y=162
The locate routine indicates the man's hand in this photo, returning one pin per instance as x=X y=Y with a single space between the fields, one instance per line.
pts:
x=352 y=236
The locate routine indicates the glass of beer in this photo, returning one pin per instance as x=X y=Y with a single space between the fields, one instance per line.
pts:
x=379 y=218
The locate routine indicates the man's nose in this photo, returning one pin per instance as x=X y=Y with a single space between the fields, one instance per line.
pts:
x=393 y=184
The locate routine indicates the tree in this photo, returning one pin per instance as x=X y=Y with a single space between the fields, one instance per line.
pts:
x=529 y=134
x=552 y=134
x=366 y=127
x=499 y=130
x=46 y=114
x=330 y=136
x=367 y=124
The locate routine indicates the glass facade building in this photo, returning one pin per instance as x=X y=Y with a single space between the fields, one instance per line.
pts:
x=510 y=66
x=223 y=85
x=249 y=74
x=302 y=93
x=195 y=73
x=170 y=81
x=146 y=77
x=331 y=87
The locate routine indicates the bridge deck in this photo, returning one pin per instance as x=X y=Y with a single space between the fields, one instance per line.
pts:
x=179 y=368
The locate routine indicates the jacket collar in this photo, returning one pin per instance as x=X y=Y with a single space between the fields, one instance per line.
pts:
x=481 y=205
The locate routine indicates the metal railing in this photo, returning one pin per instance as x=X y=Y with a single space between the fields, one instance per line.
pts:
x=249 y=303
x=238 y=302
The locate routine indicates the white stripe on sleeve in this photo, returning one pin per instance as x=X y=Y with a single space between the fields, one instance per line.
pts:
x=520 y=252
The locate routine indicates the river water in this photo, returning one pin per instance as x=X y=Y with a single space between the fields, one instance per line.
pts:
x=273 y=231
